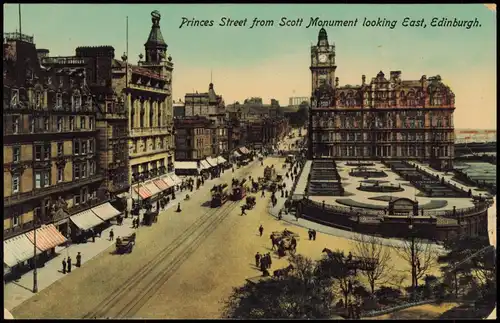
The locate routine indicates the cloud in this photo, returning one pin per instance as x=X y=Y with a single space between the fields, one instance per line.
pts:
x=491 y=6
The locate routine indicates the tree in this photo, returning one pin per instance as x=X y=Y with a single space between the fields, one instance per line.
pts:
x=299 y=295
x=373 y=248
x=333 y=267
x=419 y=254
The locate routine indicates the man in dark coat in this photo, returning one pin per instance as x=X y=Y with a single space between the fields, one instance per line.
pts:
x=78 y=259
x=64 y=266
x=261 y=230
x=257 y=259
x=69 y=264
x=269 y=261
x=309 y=233
x=263 y=194
x=178 y=207
x=272 y=241
x=314 y=234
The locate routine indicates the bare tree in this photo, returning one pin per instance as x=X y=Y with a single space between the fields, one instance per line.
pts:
x=419 y=254
x=372 y=250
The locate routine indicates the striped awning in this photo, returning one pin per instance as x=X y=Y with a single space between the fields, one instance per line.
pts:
x=17 y=250
x=152 y=188
x=244 y=150
x=86 y=220
x=143 y=192
x=105 y=211
x=47 y=237
x=161 y=184
x=170 y=182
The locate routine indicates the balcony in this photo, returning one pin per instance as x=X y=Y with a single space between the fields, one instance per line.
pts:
x=150 y=131
x=44 y=192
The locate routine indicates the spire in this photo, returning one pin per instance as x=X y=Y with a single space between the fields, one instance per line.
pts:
x=155 y=43
x=322 y=37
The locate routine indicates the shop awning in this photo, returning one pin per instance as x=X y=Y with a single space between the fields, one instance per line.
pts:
x=18 y=249
x=176 y=179
x=47 y=237
x=161 y=184
x=202 y=166
x=221 y=160
x=152 y=188
x=186 y=165
x=105 y=211
x=236 y=154
x=86 y=220
x=143 y=192
x=212 y=161
x=170 y=182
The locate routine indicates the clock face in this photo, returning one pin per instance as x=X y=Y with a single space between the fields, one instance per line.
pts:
x=322 y=58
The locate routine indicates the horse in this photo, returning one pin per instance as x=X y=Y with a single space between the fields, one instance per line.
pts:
x=333 y=254
x=283 y=272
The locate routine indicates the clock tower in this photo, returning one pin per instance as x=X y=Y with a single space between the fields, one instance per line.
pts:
x=322 y=63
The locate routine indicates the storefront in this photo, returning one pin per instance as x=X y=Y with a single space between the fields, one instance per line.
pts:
x=106 y=212
x=18 y=253
x=47 y=239
x=82 y=222
x=188 y=168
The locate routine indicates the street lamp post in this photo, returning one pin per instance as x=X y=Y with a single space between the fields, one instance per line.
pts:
x=413 y=265
x=35 y=280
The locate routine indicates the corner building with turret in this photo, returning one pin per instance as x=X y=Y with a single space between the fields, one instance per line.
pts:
x=383 y=118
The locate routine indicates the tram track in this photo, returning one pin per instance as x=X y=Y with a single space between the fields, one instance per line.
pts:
x=129 y=298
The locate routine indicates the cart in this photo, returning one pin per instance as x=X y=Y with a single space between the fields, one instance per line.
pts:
x=286 y=241
x=125 y=244
x=250 y=202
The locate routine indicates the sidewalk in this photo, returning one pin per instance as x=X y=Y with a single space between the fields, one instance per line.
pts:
x=16 y=292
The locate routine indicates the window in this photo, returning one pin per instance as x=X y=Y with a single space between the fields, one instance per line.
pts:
x=91 y=145
x=46 y=123
x=38 y=99
x=77 y=199
x=15 y=124
x=76 y=102
x=76 y=147
x=38 y=152
x=84 y=147
x=16 y=220
x=46 y=179
x=84 y=195
x=38 y=180
x=60 y=149
x=76 y=171
x=59 y=124
x=16 y=154
x=46 y=207
x=14 y=101
x=84 y=170
x=91 y=168
x=59 y=100
x=32 y=124
x=82 y=122
x=46 y=152
x=15 y=183
x=60 y=175
x=91 y=123
x=71 y=123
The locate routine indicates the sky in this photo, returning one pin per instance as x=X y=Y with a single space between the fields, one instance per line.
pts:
x=273 y=62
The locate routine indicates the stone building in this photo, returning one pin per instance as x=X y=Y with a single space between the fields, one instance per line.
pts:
x=193 y=138
x=383 y=118
x=51 y=165
x=212 y=106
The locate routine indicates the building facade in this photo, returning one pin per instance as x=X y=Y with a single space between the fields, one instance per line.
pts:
x=385 y=118
x=193 y=138
x=297 y=100
x=212 y=106
x=51 y=165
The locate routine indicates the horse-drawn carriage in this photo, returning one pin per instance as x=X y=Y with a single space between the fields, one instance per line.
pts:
x=125 y=244
x=219 y=195
x=286 y=241
x=353 y=263
x=239 y=189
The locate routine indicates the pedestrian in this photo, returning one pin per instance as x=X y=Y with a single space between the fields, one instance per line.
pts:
x=111 y=235
x=64 y=266
x=69 y=264
x=314 y=234
x=92 y=232
x=243 y=210
x=158 y=206
x=269 y=261
x=257 y=259
x=179 y=207
x=272 y=241
x=263 y=194
x=309 y=233
x=78 y=259
x=261 y=230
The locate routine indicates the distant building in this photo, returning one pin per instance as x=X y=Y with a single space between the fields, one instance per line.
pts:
x=193 y=138
x=212 y=106
x=385 y=118
x=179 y=109
x=297 y=100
